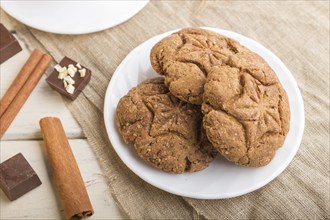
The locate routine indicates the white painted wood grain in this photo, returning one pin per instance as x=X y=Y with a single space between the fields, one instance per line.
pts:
x=42 y=202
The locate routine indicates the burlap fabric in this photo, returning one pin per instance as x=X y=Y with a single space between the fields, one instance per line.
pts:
x=297 y=32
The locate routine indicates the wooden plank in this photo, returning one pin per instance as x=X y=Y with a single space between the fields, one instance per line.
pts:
x=43 y=102
x=42 y=202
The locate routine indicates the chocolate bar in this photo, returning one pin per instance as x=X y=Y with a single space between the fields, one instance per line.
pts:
x=9 y=46
x=17 y=177
x=69 y=78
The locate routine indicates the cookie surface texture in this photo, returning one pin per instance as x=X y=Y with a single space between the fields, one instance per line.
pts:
x=165 y=131
x=186 y=57
x=246 y=110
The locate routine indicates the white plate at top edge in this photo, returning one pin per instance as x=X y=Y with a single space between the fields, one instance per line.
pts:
x=221 y=179
x=72 y=17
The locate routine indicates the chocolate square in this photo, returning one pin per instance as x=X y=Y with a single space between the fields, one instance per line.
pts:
x=80 y=82
x=9 y=46
x=17 y=177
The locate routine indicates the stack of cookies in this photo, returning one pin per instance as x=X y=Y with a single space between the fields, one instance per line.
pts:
x=216 y=96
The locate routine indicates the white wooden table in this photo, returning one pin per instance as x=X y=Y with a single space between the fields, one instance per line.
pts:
x=24 y=136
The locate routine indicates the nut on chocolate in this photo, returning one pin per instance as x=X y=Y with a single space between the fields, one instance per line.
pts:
x=56 y=82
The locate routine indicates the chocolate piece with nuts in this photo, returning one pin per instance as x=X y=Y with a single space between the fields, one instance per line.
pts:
x=69 y=78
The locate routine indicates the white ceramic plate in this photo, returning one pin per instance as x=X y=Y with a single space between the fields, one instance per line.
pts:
x=221 y=179
x=72 y=17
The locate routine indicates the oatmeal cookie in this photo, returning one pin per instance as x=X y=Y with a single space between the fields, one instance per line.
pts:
x=186 y=57
x=165 y=131
x=246 y=110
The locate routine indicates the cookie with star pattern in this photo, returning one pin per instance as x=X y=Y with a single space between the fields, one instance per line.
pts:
x=246 y=110
x=186 y=57
x=165 y=131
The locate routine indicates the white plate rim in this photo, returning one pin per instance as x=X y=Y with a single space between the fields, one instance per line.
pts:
x=22 y=19
x=232 y=195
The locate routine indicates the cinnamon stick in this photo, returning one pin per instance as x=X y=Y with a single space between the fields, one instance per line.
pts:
x=65 y=170
x=20 y=79
x=23 y=94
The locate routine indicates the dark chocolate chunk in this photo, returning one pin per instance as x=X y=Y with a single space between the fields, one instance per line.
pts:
x=17 y=177
x=80 y=82
x=9 y=46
